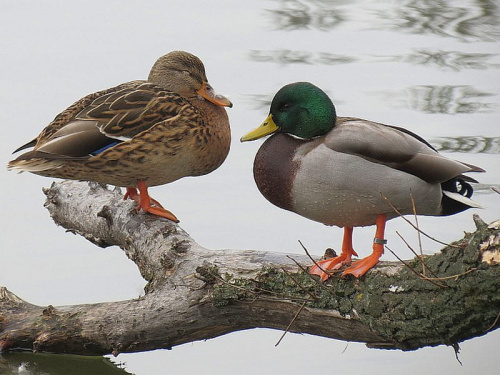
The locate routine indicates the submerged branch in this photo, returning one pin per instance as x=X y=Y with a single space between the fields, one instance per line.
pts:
x=194 y=293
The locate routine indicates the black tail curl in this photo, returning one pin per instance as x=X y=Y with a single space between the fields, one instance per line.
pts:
x=460 y=185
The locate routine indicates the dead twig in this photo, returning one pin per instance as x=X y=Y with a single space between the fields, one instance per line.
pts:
x=456 y=348
x=310 y=257
x=299 y=265
x=413 y=225
x=420 y=257
x=430 y=279
x=311 y=277
x=300 y=286
x=259 y=290
x=415 y=272
x=494 y=323
x=419 y=237
x=288 y=327
x=452 y=276
x=317 y=265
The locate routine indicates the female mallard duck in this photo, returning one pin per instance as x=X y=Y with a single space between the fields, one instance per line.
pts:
x=138 y=134
x=348 y=172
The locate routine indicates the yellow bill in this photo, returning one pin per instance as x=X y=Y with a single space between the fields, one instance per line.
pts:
x=266 y=128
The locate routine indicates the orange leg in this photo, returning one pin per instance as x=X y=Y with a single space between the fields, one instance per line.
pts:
x=336 y=262
x=360 y=267
x=147 y=203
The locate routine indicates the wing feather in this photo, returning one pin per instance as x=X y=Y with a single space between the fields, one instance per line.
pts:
x=97 y=121
x=394 y=147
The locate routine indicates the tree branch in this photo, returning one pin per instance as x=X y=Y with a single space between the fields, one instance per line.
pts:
x=194 y=293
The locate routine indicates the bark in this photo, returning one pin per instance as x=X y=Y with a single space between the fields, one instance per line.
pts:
x=194 y=293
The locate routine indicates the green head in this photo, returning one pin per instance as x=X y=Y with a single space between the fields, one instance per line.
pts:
x=300 y=109
x=303 y=110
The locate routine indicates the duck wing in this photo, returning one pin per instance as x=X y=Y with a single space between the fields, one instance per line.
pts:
x=102 y=120
x=395 y=147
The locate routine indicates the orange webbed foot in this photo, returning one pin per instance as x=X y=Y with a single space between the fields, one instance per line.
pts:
x=330 y=264
x=146 y=203
x=360 y=267
x=335 y=263
x=158 y=211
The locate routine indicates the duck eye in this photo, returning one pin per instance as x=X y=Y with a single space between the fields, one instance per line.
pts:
x=285 y=107
x=186 y=72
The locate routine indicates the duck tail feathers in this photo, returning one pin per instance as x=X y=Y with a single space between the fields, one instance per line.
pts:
x=457 y=197
x=457 y=194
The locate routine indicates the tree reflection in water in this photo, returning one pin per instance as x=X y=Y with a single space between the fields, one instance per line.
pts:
x=469 y=20
x=299 y=14
x=447 y=99
x=478 y=144
x=454 y=60
x=287 y=56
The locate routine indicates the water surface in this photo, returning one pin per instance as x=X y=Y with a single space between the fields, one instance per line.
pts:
x=429 y=66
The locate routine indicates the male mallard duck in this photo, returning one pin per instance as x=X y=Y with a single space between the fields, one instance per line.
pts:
x=138 y=134
x=344 y=171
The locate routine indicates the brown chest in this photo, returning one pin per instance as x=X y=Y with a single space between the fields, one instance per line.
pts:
x=274 y=169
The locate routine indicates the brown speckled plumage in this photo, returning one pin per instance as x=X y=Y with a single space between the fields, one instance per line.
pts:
x=165 y=131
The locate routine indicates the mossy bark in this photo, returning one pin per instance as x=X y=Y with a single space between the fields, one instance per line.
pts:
x=408 y=311
x=194 y=293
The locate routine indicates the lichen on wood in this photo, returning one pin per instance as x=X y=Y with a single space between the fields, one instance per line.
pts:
x=409 y=311
x=194 y=293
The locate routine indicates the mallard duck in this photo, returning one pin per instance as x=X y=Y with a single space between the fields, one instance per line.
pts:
x=351 y=172
x=138 y=134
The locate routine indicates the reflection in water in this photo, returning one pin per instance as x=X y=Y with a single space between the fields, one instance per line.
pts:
x=468 y=20
x=447 y=99
x=449 y=59
x=474 y=20
x=486 y=145
x=260 y=102
x=444 y=59
x=301 y=14
x=28 y=363
x=286 y=56
x=428 y=99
